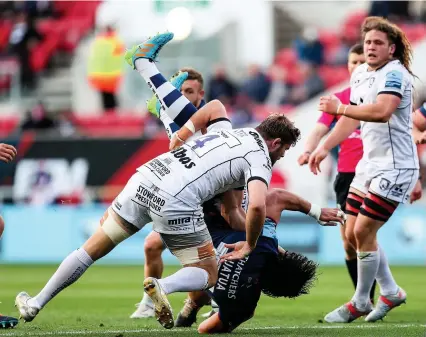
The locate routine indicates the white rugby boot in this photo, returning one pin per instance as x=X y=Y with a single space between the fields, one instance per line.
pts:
x=386 y=304
x=162 y=307
x=347 y=313
x=143 y=310
x=26 y=312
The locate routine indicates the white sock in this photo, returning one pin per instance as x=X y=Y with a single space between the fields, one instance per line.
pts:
x=384 y=276
x=174 y=104
x=171 y=127
x=185 y=279
x=147 y=300
x=67 y=273
x=368 y=264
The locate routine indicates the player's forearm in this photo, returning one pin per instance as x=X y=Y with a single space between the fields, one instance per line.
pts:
x=212 y=110
x=237 y=219
x=376 y=112
x=315 y=137
x=254 y=224
x=292 y=202
x=343 y=129
x=417 y=134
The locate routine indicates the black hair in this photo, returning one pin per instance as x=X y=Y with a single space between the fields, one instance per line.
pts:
x=288 y=275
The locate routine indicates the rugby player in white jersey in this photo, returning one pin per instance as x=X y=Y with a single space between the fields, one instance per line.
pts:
x=169 y=191
x=381 y=99
x=7 y=154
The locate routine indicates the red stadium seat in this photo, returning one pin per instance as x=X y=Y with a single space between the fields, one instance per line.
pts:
x=293 y=76
x=355 y=19
x=110 y=125
x=333 y=75
x=260 y=112
x=329 y=39
x=5 y=29
x=8 y=125
x=286 y=58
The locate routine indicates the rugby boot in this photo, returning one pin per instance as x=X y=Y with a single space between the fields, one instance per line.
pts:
x=162 y=307
x=143 y=310
x=148 y=49
x=27 y=313
x=386 y=304
x=188 y=315
x=347 y=313
x=7 y=322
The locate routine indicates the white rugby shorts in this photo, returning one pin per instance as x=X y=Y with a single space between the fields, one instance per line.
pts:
x=396 y=184
x=141 y=202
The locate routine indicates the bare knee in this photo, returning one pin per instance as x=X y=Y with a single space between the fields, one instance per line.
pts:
x=212 y=278
x=153 y=246
x=350 y=239
x=365 y=238
x=349 y=249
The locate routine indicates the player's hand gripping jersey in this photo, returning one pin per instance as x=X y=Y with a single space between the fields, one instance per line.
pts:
x=390 y=145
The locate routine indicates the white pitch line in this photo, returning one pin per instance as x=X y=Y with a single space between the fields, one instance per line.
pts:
x=177 y=331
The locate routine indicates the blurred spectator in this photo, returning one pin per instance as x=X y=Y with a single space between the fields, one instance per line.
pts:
x=37 y=119
x=278 y=90
x=309 y=48
x=105 y=70
x=6 y=9
x=311 y=85
x=393 y=10
x=242 y=113
x=399 y=11
x=65 y=126
x=23 y=37
x=39 y=9
x=379 y=8
x=220 y=87
x=256 y=86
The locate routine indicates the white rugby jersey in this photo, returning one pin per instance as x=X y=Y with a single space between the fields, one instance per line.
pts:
x=210 y=165
x=387 y=145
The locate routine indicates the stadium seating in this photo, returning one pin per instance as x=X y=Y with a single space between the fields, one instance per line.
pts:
x=75 y=20
x=111 y=125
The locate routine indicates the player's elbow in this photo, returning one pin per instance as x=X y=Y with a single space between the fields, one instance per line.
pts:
x=218 y=109
x=258 y=207
x=384 y=117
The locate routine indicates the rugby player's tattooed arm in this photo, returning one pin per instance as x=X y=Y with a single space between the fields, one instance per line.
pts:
x=232 y=210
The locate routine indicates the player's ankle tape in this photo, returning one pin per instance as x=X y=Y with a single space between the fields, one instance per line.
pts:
x=377 y=208
x=353 y=204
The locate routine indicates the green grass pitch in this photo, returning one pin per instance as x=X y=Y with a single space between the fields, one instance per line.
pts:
x=100 y=303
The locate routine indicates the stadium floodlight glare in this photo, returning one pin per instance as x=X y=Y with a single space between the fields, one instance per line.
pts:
x=179 y=21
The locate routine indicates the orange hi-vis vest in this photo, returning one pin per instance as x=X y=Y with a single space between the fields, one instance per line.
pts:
x=105 y=67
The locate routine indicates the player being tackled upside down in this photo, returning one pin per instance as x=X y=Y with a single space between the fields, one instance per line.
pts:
x=262 y=266
x=381 y=98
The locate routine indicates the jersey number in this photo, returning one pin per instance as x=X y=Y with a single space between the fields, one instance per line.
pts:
x=199 y=142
